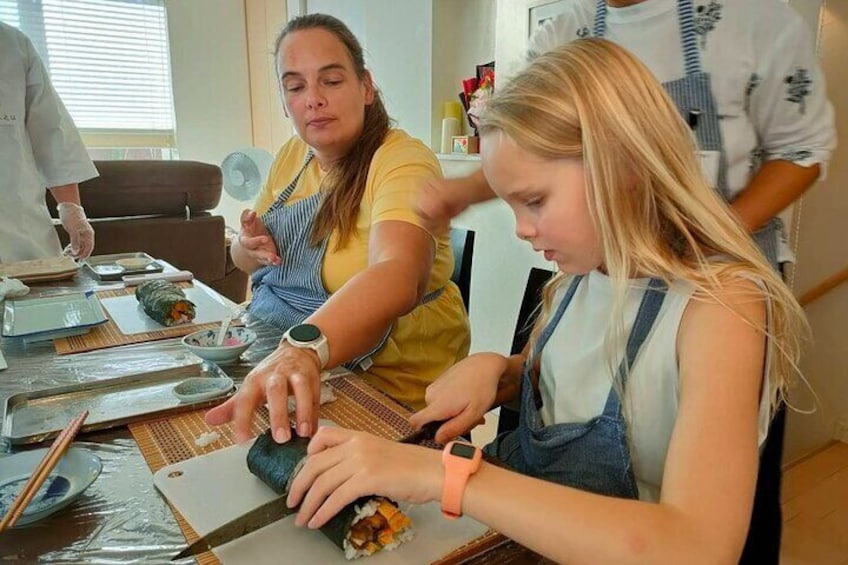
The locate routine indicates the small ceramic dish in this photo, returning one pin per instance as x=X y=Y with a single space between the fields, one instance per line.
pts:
x=133 y=263
x=195 y=389
x=74 y=473
x=236 y=342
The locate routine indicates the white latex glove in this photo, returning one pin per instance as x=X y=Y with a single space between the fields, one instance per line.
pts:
x=80 y=231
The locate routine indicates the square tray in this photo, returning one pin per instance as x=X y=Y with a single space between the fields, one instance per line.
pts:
x=106 y=268
x=35 y=416
x=66 y=314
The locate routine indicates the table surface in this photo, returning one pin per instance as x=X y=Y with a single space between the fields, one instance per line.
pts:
x=121 y=517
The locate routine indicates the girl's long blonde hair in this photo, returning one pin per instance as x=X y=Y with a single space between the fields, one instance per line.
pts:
x=655 y=211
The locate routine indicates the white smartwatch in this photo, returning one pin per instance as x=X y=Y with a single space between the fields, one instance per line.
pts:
x=308 y=336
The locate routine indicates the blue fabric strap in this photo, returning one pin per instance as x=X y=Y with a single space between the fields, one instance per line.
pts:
x=691 y=54
x=600 y=19
x=649 y=308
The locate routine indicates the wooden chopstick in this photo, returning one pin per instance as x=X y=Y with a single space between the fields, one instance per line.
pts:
x=42 y=471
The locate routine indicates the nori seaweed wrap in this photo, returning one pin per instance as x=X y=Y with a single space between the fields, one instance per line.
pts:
x=165 y=302
x=367 y=525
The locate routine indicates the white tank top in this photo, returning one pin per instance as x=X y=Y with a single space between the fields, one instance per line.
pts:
x=576 y=375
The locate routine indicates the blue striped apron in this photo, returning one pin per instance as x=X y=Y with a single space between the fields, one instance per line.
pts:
x=285 y=295
x=593 y=456
x=694 y=92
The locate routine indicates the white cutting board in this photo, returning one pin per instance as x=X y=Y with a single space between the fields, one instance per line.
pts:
x=128 y=314
x=212 y=489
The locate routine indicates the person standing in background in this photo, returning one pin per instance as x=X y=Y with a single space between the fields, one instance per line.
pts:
x=39 y=148
x=745 y=77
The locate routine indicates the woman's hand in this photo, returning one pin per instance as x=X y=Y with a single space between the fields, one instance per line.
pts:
x=462 y=394
x=288 y=370
x=255 y=241
x=343 y=465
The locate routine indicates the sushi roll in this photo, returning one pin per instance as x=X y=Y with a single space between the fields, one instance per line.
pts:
x=364 y=527
x=165 y=302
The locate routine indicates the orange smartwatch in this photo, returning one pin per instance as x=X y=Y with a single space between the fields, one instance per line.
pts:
x=461 y=460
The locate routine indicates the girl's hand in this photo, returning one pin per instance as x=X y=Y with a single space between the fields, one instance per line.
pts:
x=255 y=240
x=463 y=394
x=287 y=370
x=343 y=465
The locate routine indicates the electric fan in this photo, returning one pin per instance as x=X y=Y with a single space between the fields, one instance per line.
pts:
x=245 y=171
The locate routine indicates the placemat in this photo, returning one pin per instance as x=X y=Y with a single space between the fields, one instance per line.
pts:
x=357 y=406
x=108 y=335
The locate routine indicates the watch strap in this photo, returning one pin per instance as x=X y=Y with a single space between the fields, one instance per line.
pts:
x=459 y=465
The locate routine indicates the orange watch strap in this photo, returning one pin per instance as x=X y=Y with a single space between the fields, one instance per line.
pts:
x=460 y=461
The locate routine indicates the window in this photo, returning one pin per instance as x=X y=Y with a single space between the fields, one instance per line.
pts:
x=109 y=62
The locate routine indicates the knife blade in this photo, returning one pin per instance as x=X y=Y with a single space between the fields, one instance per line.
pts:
x=251 y=521
x=427 y=432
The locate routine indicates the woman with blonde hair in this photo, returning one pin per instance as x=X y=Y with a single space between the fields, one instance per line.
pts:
x=339 y=260
x=660 y=351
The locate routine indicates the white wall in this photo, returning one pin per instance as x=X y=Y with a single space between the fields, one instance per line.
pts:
x=396 y=36
x=398 y=41
x=511 y=33
x=462 y=39
x=209 y=67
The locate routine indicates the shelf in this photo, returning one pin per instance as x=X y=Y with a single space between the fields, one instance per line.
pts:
x=458 y=157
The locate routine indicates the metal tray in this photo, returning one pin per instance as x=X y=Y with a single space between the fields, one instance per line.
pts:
x=106 y=268
x=32 y=417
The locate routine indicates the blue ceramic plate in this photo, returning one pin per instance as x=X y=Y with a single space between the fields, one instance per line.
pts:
x=74 y=473
x=195 y=389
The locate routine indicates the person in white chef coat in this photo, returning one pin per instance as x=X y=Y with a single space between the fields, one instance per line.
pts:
x=40 y=149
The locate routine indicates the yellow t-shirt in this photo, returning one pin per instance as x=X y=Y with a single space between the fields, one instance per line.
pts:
x=435 y=335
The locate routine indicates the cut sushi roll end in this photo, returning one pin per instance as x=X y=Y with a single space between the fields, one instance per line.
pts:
x=379 y=525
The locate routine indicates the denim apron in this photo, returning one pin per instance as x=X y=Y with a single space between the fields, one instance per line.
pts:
x=285 y=295
x=693 y=93
x=592 y=456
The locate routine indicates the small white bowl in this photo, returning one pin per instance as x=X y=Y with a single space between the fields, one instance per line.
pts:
x=236 y=342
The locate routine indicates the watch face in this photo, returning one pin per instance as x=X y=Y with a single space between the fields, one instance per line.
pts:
x=304 y=333
x=463 y=450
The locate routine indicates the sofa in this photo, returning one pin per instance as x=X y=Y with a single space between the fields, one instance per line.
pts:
x=164 y=209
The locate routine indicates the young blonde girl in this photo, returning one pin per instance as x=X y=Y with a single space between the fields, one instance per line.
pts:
x=661 y=346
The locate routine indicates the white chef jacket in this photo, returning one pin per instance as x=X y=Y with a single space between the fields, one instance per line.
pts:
x=39 y=148
x=766 y=79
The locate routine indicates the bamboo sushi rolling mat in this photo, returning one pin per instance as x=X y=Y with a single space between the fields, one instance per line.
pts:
x=108 y=334
x=357 y=406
